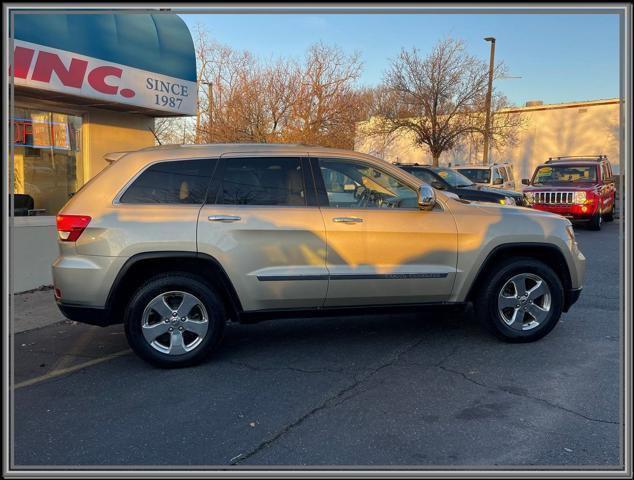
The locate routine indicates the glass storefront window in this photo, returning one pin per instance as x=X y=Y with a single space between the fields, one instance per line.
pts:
x=48 y=164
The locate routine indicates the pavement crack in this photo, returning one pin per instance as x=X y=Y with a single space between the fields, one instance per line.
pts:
x=294 y=369
x=332 y=401
x=517 y=394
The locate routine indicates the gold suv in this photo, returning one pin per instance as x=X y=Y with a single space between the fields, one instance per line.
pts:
x=173 y=241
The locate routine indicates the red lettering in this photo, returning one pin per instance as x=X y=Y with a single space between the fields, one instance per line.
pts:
x=22 y=58
x=22 y=130
x=97 y=79
x=47 y=63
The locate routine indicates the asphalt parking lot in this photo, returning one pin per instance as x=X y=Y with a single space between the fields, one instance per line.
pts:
x=431 y=389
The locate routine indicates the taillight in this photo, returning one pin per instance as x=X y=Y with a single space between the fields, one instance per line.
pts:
x=70 y=227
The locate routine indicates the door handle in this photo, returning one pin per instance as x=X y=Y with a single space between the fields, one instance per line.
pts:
x=223 y=218
x=347 y=220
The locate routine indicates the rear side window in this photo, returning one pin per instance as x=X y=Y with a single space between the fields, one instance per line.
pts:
x=177 y=182
x=505 y=174
x=262 y=181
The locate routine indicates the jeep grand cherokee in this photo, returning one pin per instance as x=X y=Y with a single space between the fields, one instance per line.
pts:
x=174 y=241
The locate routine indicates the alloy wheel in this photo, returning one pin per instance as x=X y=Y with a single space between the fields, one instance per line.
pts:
x=175 y=322
x=524 y=301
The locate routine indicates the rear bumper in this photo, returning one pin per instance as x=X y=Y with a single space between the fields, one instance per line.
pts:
x=83 y=314
x=571 y=297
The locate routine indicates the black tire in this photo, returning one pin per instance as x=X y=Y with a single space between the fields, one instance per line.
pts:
x=486 y=301
x=595 y=222
x=609 y=217
x=183 y=282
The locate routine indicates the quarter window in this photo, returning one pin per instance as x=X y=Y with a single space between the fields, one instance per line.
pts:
x=262 y=181
x=177 y=182
x=357 y=185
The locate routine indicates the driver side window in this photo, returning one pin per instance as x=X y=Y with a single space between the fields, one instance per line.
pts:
x=357 y=185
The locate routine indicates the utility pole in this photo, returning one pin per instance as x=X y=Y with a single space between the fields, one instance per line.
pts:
x=487 y=121
x=210 y=100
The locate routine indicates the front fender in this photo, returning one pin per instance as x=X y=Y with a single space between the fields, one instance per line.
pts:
x=484 y=230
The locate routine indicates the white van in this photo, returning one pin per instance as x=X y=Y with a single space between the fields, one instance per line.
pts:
x=497 y=175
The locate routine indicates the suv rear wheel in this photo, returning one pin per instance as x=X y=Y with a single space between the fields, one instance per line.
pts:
x=174 y=320
x=521 y=301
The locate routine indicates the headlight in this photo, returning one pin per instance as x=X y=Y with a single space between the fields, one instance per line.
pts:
x=529 y=196
x=580 y=198
x=507 y=201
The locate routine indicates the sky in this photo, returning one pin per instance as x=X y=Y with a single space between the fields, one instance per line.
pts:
x=559 y=57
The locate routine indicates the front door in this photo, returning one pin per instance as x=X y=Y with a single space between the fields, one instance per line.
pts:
x=607 y=189
x=381 y=247
x=263 y=225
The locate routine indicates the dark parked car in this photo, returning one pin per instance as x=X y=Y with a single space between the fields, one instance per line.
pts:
x=443 y=178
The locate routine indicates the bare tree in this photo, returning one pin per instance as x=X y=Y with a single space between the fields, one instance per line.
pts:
x=325 y=109
x=281 y=91
x=506 y=124
x=438 y=98
x=174 y=130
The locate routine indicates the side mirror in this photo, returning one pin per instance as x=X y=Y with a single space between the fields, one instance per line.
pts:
x=524 y=181
x=426 y=197
x=438 y=185
x=498 y=181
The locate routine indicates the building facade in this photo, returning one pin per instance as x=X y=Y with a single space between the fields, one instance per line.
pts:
x=84 y=85
x=580 y=128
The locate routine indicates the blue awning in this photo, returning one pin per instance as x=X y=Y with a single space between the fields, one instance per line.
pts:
x=152 y=42
x=135 y=62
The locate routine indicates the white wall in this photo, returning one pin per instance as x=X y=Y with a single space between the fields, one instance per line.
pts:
x=584 y=128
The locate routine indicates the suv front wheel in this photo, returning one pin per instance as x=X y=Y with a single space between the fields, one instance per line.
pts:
x=174 y=320
x=521 y=301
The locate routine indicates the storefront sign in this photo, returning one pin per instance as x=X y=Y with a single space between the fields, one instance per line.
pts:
x=51 y=69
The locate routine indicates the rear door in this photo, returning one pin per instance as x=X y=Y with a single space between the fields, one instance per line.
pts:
x=262 y=223
x=382 y=249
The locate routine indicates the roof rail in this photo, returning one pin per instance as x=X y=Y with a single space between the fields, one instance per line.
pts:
x=590 y=158
x=415 y=164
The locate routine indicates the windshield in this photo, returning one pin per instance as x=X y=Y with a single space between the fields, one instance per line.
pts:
x=452 y=177
x=565 y=173
x=477 y=175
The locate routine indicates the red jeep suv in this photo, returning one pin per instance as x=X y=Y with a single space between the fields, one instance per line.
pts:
x=579 y=188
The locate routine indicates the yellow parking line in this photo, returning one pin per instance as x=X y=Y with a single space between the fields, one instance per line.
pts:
x=64 y=371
